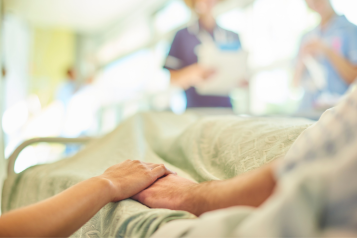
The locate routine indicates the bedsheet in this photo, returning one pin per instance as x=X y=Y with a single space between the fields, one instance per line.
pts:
x=316 y=193
x=199 y=148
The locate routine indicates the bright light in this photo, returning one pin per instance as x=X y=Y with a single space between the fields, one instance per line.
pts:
x=46 y=123
x=38 y=154
x=81 y=112
x=15 y=117
x=178 y=101
x=26 y=159
x=34 y=104
x=133 y=37
x=347 y=8
x=272 y=86
x=172 y=16
x=234 y=20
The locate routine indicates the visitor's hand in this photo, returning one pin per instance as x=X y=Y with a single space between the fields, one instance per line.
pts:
x=190 y=75
x=132 y=176
x=171 y=192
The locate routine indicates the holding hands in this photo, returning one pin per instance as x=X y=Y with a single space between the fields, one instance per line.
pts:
x=66 y=212
x=132 y=176
x=151 y=184
x=170 y=192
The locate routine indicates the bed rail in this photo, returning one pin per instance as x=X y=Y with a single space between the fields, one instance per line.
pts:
x=61 y=140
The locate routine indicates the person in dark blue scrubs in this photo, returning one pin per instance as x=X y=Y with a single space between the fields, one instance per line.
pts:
x=182 y=59
x=333 y=44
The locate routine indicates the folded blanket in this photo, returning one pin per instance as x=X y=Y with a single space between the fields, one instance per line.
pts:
x=199 y=148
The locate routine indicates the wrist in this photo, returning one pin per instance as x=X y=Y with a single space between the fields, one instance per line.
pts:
x=105 y=187
x=200 y=199
x=174 y=76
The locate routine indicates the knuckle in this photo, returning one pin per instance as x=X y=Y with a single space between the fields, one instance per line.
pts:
x=148 y=173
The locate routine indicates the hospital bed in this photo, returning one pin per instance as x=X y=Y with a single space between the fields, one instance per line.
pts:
x=197 y=147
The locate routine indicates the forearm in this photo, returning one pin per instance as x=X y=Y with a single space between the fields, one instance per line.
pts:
x=299 y=70
x=60 y=215
x=174 y=77
x=250 y=189
x=347 y=70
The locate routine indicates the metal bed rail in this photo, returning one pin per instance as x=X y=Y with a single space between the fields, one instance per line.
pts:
x=60 y=140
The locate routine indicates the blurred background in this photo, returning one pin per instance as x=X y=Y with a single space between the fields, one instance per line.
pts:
x=79 y=67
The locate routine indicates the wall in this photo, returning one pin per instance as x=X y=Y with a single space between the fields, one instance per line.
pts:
x=2 y=159
x=53 y=51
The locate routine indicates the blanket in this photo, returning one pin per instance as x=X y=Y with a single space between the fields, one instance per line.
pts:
x=315 y=195
x=198 y=148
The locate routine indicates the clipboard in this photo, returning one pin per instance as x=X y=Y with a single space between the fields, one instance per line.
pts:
x=230 y=69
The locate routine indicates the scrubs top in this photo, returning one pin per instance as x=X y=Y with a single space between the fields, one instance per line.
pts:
x=341 y=36
x=182 y=54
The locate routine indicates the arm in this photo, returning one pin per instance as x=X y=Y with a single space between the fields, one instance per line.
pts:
x=299 y=71
x=190 y=75
x=173 y=192
x=346 y=69
x=181 y=75
x=66 y=212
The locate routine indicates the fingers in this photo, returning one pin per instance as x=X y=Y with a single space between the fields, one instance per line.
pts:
x=163 y=169
x=136 y=197
x=160 y=170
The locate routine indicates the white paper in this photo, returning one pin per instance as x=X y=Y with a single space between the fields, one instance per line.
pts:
x=317 y=72
x=230 y=69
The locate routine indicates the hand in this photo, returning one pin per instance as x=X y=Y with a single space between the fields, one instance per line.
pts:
x=132 y=176
x=243 y=83
x=191 y=75
x=170 y=192
x=177 y=193
x=314 y=47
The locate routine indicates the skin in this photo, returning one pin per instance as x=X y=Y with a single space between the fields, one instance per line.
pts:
x=174 y=192
x=316 y=46
x=63 y=214
x=71 y=74
x=194 y=74
x=190 y=76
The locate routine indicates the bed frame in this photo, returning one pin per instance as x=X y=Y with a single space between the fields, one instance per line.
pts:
x=58 y=140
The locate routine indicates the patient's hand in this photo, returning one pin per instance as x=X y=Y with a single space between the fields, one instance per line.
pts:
x=132 y=176
x=171 y=192
x=177 y=193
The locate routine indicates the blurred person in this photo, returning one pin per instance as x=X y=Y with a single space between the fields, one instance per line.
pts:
x=182 y=59
x=328 y=54
x=81 y=112
x=66 y=212
x=3 y=72
x=68 y=88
